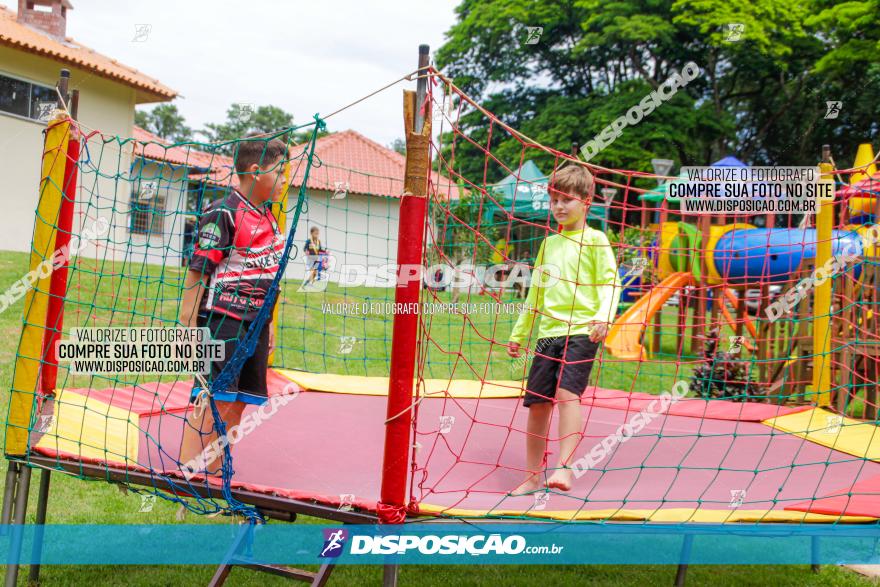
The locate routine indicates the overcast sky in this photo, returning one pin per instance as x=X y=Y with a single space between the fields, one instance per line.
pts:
x=307 y=57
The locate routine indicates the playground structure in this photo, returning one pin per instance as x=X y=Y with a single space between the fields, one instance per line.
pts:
x=744 y=270
x=421 y=412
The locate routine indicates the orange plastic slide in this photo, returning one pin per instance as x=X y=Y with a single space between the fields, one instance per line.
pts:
x=624 y=340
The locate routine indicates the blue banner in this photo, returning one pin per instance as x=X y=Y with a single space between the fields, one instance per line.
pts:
x=442 y=543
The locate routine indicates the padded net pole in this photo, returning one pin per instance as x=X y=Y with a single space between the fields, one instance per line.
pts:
x=30 y=346
x=58 y=284
x=413 y=213
x=822 y=302
x=281 y=216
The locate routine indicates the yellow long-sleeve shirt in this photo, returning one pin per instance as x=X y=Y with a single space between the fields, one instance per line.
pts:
x=587 y=289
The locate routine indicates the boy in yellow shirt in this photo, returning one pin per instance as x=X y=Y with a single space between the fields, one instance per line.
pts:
x=575 y=290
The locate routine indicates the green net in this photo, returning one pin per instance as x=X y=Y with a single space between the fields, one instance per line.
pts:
x=711 y=399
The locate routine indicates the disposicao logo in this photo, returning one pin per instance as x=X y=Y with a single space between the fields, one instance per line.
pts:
x=334 y=543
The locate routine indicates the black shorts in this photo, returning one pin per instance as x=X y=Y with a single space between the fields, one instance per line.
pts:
x=249 y=386
x=560 y=361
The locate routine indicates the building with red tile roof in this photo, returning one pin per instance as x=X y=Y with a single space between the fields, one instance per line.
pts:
x=34 y=48
x=348 y=158
x=42 y=33
x=352 y=197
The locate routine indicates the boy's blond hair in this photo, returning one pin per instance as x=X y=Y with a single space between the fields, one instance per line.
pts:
x=573 y=180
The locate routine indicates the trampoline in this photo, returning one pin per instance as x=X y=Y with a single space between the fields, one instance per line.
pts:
x=701 y=461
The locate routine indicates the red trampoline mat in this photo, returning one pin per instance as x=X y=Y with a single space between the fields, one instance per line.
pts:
x=325 y=445
x=861 y=499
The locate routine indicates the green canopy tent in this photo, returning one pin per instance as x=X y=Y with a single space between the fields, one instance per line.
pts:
x=659 y=193
x=524 y=195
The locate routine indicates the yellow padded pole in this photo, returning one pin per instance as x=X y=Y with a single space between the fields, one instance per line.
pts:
x=822 y=299
x=25 y=380
x=281 y=217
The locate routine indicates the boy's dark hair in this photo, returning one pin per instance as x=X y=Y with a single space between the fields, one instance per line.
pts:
x=256 y=148
x=574 y=180
x=313 y=229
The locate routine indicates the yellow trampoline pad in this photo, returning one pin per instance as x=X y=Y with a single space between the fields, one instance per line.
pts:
x=92 y=429
x=362 y=385
x=854 y=437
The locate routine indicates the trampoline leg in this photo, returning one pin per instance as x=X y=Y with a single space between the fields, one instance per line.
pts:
x=9 y=494
x=814 y=554
x=220 y=575
x=323 y=575
x=389 y=577
x=222 y=572
x=42 y=504
x=19 y=512
x=681 y=574
x=231 y=559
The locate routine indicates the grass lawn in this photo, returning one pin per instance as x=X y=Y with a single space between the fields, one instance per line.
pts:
x=310 y=340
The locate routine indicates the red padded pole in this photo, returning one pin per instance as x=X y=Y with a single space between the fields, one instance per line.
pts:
x=58 y=281
x=411 y=223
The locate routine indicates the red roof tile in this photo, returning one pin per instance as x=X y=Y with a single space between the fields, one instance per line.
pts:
x=347 y=157
x=151 y=146
x=22 y=37
x=365 y=165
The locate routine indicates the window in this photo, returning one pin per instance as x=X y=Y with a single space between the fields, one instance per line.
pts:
x=26 y=99
x=147 y=209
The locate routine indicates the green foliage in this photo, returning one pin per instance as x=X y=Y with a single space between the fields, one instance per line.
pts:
x=165 y=121
x=761 y=97
x=628 y=245
x=398 y=145
x=721 y=376
x=241 y=119
x=853 y=37
x=467 y=237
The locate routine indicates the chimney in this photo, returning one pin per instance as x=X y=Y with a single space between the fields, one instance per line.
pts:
x=49 y=16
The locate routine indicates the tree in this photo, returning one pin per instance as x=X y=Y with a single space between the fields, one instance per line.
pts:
x=464 y=233
x=243 y=119
x=165 y=121
x=761 y=95
x=398 y=145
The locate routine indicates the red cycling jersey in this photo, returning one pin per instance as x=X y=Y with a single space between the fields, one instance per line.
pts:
x=239 y=247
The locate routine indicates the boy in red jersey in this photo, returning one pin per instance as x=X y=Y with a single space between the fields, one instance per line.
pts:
x=235 y=260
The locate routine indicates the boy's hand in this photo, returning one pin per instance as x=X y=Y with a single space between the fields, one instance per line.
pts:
x=600 y=330
x=271 y=337
x=513 y=349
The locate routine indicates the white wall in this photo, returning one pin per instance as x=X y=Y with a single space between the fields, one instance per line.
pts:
x=358 y=229
x=103 y=105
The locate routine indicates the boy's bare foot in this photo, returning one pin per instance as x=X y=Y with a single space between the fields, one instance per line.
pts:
x=530 y=485
x=561 y=479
